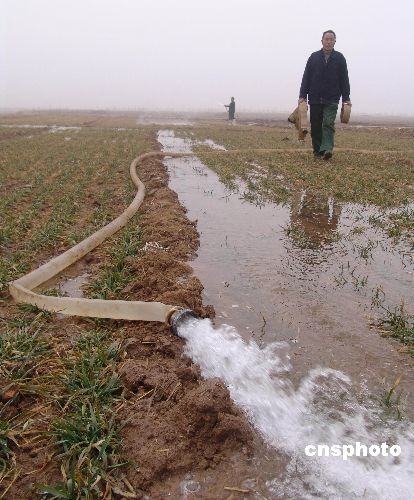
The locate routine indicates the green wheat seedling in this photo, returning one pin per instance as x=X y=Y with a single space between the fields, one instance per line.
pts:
x=109 y=285
x=21 y=349
x=399 y=324
x=89 y=446
x=358 y=281
x=64 y=490
x=402 y=225
x=87 y=437
x=117 y=274
x=7 y=458
x=24 y=349
x=392 y=401
x=90 y=373
x=126 y=245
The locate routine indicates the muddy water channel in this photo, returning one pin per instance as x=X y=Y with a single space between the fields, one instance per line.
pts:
x=312 y=278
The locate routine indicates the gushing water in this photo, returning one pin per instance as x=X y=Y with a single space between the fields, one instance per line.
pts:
x=321 y=410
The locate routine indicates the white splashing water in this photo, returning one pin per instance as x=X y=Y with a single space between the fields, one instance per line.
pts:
x=321 y=410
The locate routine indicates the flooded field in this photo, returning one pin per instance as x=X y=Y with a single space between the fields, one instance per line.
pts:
x=309 y=264
x=300 y=273
x=305 y=281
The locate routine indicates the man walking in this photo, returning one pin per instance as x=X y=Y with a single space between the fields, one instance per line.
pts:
x=325 y=80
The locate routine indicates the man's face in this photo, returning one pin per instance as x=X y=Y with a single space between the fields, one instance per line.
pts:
x=328 y=42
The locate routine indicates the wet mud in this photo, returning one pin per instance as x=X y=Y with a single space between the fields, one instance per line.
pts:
x=178 y=425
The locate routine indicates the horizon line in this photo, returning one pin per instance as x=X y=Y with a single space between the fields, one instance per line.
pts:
x=174 y=110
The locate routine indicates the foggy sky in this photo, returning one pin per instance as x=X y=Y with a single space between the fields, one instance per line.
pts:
x=196 y=54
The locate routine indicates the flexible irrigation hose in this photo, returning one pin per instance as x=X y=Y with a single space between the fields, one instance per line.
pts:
x=22 y=289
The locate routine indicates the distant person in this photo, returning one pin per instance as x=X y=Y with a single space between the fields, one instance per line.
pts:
x=325 y=80
x=231 y=109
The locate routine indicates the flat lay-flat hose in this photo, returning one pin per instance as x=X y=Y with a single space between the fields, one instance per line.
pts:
x=22 y=289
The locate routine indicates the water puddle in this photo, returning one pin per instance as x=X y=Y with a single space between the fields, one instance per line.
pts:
x=59 y=128
x=51 y=128
x=213 y=145
x=68 y=283
x=72 y=287
x=154 y=120
x=382 y=127
x=297 y=284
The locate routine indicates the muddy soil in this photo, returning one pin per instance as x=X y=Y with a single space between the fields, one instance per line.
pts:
x=179 y=425
x=183 y=436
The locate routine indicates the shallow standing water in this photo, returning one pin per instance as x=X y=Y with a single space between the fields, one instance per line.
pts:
x=315 y=297
x=261 y=281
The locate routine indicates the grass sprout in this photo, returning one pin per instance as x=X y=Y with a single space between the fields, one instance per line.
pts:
x=91 y=374
x=392 y=400
x=87 y=437
x=116 y=275
x=399 y=324
x=21 y=349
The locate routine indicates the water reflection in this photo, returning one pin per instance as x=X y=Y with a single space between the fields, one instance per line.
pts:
x=313 y=221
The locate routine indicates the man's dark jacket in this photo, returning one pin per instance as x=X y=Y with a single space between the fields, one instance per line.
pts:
x=232 y=110
x=325 y=82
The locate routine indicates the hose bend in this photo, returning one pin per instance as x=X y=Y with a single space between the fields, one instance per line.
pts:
x=22 y=289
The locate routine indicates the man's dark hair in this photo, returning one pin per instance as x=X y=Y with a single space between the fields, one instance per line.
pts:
x=329 y=31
